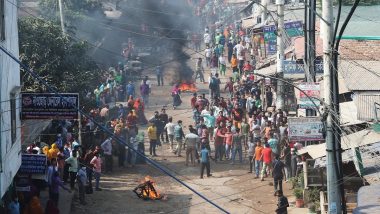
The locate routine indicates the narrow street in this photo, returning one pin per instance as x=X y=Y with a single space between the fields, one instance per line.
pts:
x=231 y=186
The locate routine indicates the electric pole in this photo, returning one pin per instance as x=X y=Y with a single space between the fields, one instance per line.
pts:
x=280 y=55
x=62 y=17
x=311 y=40
x=264 y=5
x=333 y=191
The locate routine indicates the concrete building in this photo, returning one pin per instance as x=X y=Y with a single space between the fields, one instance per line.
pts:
x=10 y=124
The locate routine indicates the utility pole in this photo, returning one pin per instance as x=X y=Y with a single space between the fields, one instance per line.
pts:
x=311 y=38
x=264 y=14
x=280 y=102
x=309 y=55
x=333 y=191
x=62 y=17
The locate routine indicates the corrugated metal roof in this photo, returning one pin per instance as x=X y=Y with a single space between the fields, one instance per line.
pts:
x=365 y=103
x=357 y=139
x=237 y=1
x=360 y=75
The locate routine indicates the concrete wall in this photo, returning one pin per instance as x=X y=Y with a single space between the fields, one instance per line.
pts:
x=9 y=79
x=368 y=50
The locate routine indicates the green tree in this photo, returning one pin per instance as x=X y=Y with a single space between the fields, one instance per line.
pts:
x=74 y=10
x=58 y=59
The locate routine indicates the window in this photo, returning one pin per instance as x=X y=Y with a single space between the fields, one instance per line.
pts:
x=2 y=20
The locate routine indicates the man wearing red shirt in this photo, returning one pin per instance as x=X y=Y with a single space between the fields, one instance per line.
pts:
x=221 y=119
x=230 y=87
x=193 y=100
x=219 y=140
x=247 y=67
x=267 y=160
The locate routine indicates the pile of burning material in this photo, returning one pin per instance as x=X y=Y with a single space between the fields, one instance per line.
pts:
x=188 y=87
x=148 y=190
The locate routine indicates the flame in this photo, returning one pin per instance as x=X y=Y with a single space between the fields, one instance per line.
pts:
x=151 y=193
x=189 y=87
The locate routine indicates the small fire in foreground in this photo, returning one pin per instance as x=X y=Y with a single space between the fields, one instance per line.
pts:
x=147 y=189
x=189 y=87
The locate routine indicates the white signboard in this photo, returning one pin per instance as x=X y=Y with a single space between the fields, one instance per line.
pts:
x=305 y=129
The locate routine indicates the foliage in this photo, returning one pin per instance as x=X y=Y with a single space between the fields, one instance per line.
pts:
x=298 y=193
x=314 y=198
x=74 y=10
x=59 y=60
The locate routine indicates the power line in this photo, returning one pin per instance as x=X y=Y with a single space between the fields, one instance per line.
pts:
x=116 y=138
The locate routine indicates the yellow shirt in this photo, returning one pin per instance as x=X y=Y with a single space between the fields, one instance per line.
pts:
x=234 y=62
x=152 y=133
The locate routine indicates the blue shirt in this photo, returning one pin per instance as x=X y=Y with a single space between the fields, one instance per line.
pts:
x=204 y=155
x=273 y=143
x=14 y=207
x=210 y=120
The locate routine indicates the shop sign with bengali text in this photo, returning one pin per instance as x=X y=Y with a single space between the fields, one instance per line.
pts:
x=292 y=29
x=292 y=67
x=305 y=129
x=33 y=164
x=309 y=96
x=49 y=106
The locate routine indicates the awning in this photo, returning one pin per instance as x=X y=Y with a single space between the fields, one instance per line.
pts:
x=357 y=139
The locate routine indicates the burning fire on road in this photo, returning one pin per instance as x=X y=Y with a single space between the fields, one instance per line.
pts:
x=188 y=87
x=148 y=190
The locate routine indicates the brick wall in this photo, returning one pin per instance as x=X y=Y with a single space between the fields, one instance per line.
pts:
x=360 y=50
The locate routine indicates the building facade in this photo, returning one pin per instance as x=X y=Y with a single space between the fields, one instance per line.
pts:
x=10 y=124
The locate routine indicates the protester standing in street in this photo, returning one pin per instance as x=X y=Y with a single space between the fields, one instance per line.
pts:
x=107 y=151
x=96 y=163
x=170 y=130
x=160 y=75
x=267 y=161
x=205 y=161
x=145 y=91
x=82 y=181
x=179 y=135
x=258 y=157
x=237 y=146
x=199 y=70
x=191 y=140
x=164 y=119
x=73 y=169
x=278 y=175
x=152 y=135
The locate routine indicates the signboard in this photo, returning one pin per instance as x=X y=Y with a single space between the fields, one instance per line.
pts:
x=291 y=67
x=311 y=100
x=49 y=106
x=292 y=29
x=33 y=164
x=305 y=129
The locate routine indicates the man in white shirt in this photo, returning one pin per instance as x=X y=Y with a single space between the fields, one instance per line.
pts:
x=207 y=38
x=107 y=150
x=256 y=130
x=239 y=48
x=170 y=129
x=191 y=141
x=208 y=53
